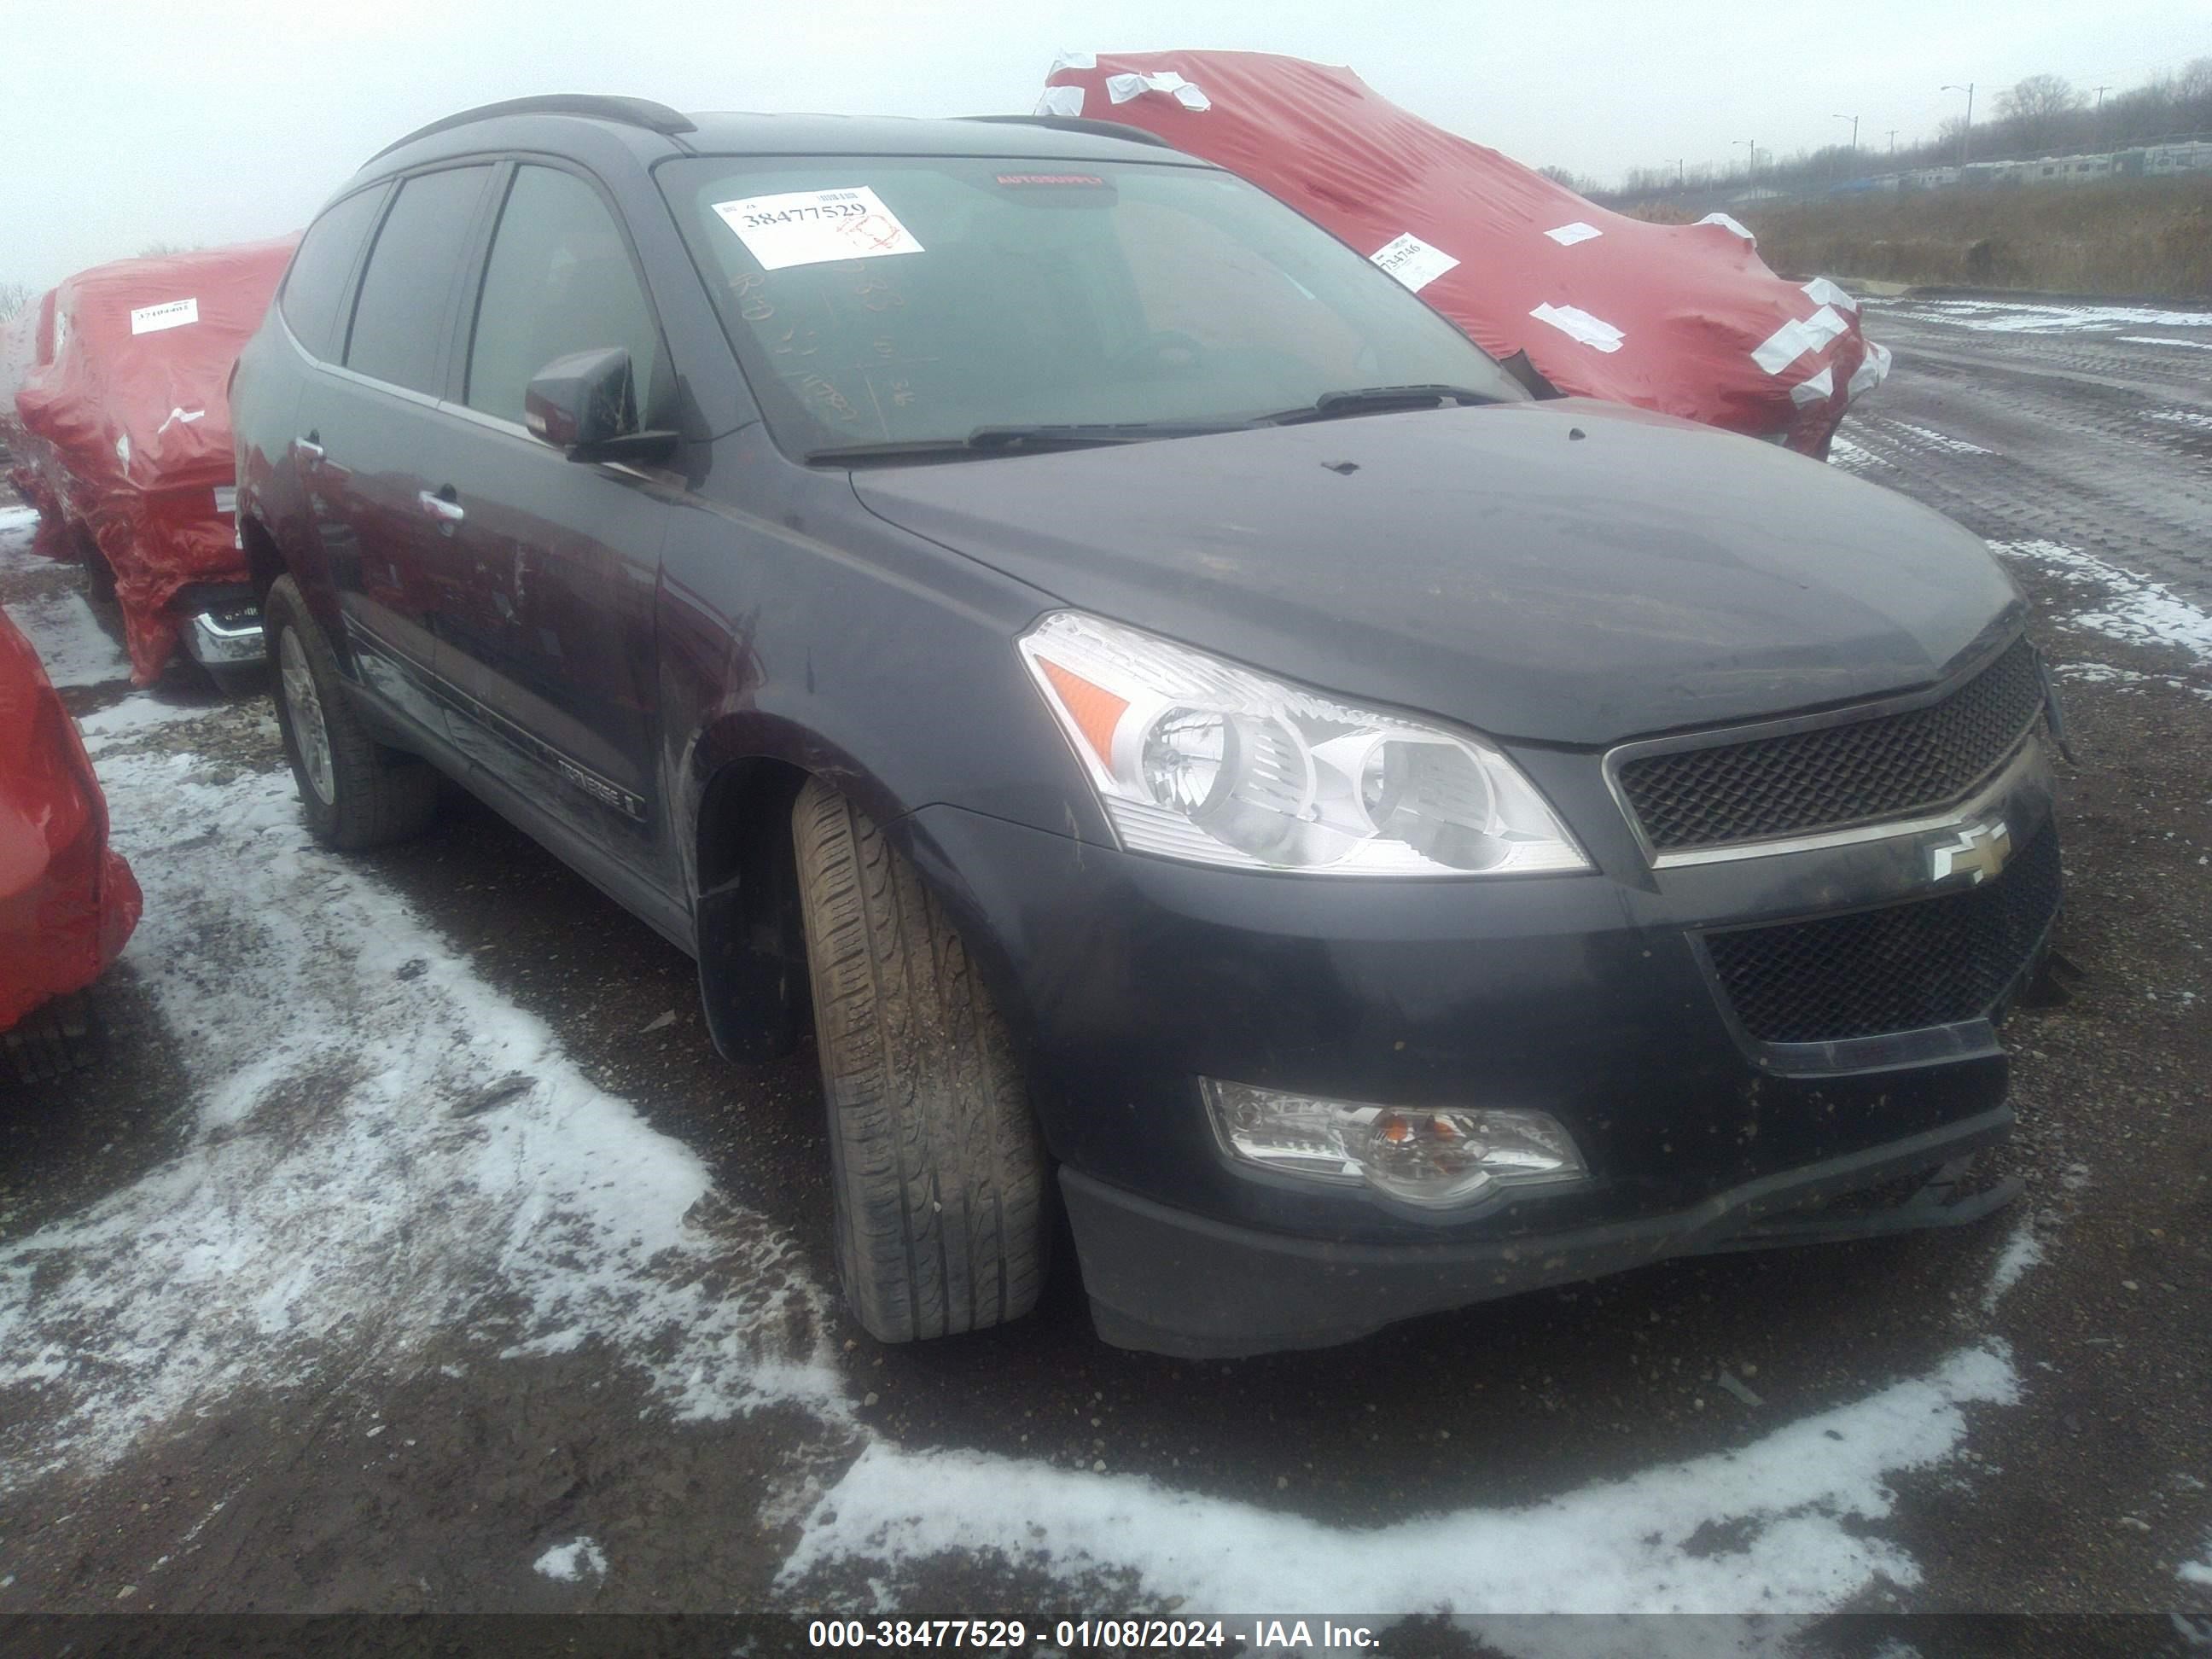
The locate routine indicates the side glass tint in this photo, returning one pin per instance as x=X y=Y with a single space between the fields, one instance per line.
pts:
x=399 y=320
x=559 y=281
x=314 y=287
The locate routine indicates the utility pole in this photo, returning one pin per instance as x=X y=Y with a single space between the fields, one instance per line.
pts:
x=1854 y=120
x=1966 y=131
x=1681 y=164
x=1893 y=141
x=2101 y=91
x=1751 y=166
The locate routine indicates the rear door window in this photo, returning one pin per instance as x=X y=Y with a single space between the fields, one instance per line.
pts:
x=399 y=322
x=314 y=287
x=559 y=281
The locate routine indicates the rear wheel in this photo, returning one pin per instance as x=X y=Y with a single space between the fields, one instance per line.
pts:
x=939 y=1172
x=356 y=792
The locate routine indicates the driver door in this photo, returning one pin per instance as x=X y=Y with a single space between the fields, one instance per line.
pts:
x=546 y=641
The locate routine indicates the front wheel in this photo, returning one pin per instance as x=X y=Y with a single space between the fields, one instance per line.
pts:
x=356 y=793
x=939 y=1172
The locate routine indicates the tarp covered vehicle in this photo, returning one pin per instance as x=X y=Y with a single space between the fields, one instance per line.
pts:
x=1686 y=319
x=26 y=339
x=68 y=901
x=127 y=428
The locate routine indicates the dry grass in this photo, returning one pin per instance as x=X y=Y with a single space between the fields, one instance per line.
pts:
x=2119 y=236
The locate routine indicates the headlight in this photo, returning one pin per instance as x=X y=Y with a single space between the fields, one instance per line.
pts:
x=1198 y=759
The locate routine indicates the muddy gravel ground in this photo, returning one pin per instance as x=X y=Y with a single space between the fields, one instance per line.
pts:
x=410 y=1248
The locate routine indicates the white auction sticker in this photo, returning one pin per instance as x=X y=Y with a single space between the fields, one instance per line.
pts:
x=152 y=320
x=1412 y=261
x=815 y=227
x=226 y=498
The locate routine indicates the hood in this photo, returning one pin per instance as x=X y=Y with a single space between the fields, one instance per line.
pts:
x=1567 y=572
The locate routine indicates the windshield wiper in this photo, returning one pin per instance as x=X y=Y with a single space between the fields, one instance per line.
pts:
x=1378 y=400
x=1020 y=439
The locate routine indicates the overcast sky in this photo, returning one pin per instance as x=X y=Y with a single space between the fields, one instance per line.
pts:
x=124 y=124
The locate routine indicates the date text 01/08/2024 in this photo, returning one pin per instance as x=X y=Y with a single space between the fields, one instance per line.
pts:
x=1015 y=1634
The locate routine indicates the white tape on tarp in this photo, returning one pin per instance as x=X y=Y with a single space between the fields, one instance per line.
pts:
x=1574 y=321
x=1072 y=60
x=1793 y=339
x=1060 y=101
x=1733 y=227
x=1122 y=87
x=1412 y=261
x=1822 y=292
x=1871 y=373
x=1568 y=236
x=1818 y=389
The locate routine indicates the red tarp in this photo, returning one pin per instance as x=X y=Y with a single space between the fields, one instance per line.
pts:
x=128 y=427
x=68 y=903
x=1682 y=318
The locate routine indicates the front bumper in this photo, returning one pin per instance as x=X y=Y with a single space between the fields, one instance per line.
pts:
x=1170 y=1282
x=1591 y=997
x=225 y=635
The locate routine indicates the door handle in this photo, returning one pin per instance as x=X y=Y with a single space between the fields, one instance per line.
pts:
x=440 y=507
x=307 y=449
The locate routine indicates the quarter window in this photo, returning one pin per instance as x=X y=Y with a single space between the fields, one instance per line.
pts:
x=399 y=321
x=559 y=281
x=315 y=285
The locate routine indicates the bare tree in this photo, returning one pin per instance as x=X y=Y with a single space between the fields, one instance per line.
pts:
x=14 y=296
x=2038 y=98
x=2037 y=108
x=2195 y=80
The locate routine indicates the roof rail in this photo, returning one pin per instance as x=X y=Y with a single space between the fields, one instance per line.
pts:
x=631 y=112
x=1079 y=123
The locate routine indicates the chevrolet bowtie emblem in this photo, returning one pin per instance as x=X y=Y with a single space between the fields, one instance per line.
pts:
x=1978 y=853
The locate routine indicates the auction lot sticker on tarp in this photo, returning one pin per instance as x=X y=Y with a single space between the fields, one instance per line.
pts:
x=177 y=314
x=815 y=227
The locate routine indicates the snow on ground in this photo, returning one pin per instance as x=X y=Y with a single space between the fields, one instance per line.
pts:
x=2197 y=1572
x=2180 y=417
x=2017 y=317
x=385 y=1148
x=1932 y=439
x=1842 y=453
x=355 y=1175
x=1929 y=438
x=2152 y=339
x=2127 y=607
x=1796 y=1504
x=571 y=1560
x=76 y=648
x=2022 y=1250
x=2124 y=679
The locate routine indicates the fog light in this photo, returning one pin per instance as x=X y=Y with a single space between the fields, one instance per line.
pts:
x=1425 y=1155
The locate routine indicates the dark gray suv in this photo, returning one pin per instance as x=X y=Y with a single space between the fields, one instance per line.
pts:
x=1200 y=742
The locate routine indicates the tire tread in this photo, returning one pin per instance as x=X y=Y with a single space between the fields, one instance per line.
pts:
x=941 y=1174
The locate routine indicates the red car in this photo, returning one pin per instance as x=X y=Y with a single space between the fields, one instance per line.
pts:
x=125 y=437
x=68 y=902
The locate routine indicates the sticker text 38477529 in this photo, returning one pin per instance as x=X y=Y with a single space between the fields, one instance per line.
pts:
x=815 y=227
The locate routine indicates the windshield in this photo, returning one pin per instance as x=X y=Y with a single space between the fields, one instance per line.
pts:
x=915 y=300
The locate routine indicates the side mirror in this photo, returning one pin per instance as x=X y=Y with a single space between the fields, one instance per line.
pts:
x=582 y=401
